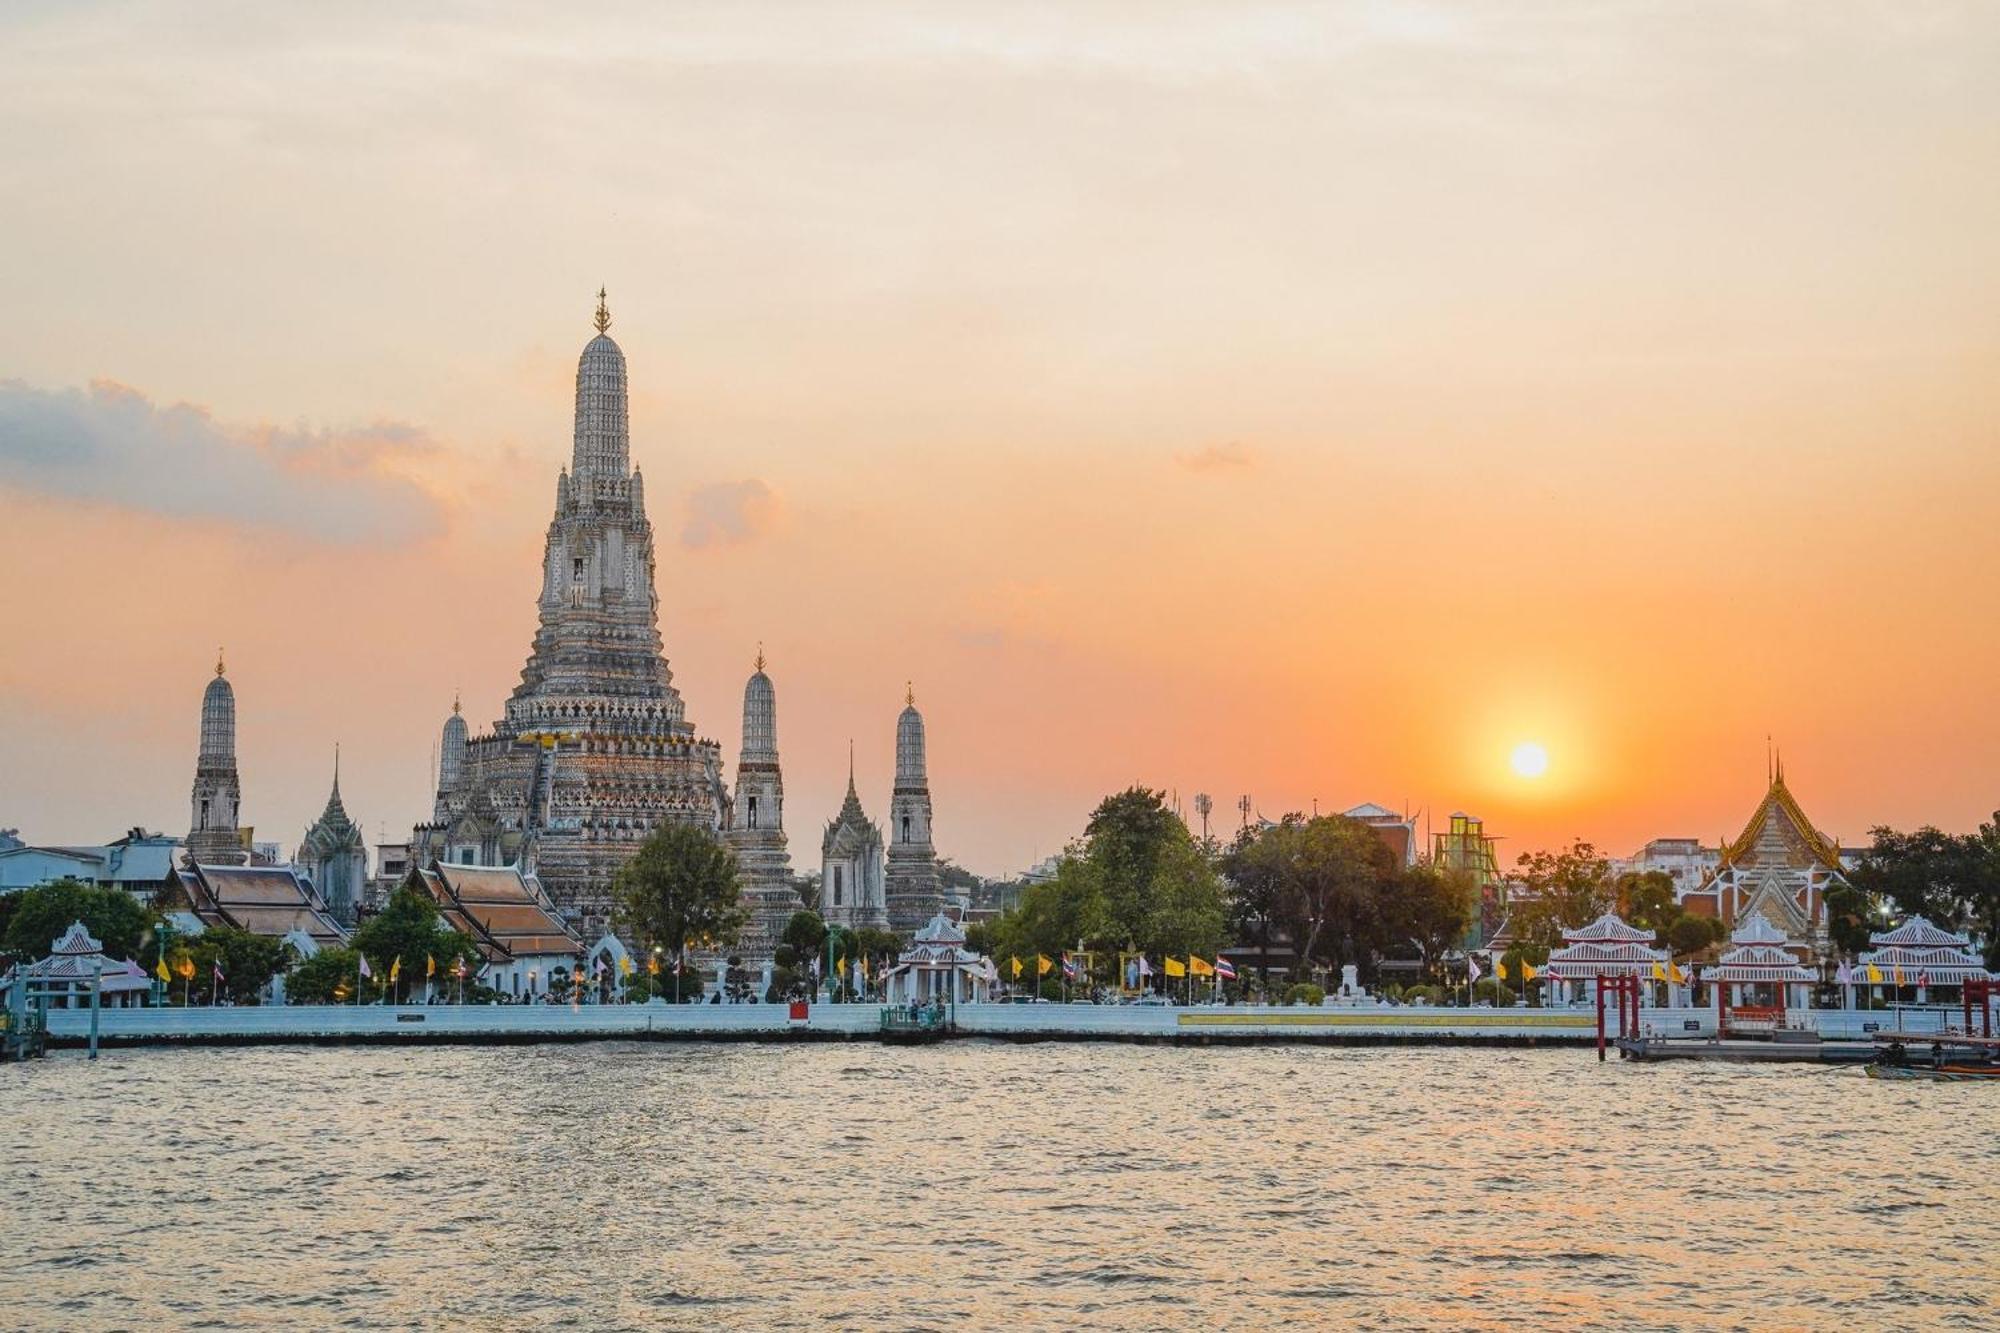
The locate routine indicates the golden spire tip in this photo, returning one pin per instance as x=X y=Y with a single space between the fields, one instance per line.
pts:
x=603 y=312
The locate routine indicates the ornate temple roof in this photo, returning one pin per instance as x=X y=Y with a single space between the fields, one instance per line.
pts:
x=851 y=829
x=1779 y=805
x=1759 y=955
x=910 y=763
x=271 y=901
x=1918 y=932
x=218 y=718
x=505 y=912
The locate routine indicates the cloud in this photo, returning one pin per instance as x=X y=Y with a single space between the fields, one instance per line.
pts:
x=1231 y=457
x=729 y=512
x=112 y=445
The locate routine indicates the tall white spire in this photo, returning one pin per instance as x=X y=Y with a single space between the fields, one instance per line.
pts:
x=603 y=443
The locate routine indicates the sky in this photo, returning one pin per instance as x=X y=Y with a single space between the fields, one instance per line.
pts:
x=1308 y=402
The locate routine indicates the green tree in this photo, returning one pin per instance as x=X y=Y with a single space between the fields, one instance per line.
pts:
x=328 y=977
x=117 y=920
x=1646 y=900
x=1559 y=890
x=1850 y=918
x=1954 y=880
x=1431 y=905
x=679 y=891
x=248 y=963
x=410 y=930
x=1689 y=935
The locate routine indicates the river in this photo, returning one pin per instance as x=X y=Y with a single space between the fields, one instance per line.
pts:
x=761 y=1186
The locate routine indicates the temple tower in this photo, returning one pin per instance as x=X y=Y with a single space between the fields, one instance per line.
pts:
x=594 y=750
x=334 y=856
x=850 y=882
x=914 y=896
x=213 y=837
x=757 y=824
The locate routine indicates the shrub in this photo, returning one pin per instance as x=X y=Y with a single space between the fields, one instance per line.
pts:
x=1305 y=992
x=1491 y=990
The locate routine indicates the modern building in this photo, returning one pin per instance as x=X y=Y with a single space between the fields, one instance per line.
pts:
x=757 y=825
x=1685 y=861
x=593 y=751
x=914 y=894
x=141 y=863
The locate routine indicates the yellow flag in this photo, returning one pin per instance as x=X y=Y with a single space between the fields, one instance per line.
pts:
x=1899 y=976
x=625 y=964
x=864 y=969
x=1201 y=967
x=1659 y=971
x=160 y=970
x=1675 y=973
x=1874 y=975
x=1500 y=969
x=395 y=971
x=653 y=965
x=430 y=965
x=1017 y=967
x=1528 y=972
x=1174 y=967
x=1042 y=965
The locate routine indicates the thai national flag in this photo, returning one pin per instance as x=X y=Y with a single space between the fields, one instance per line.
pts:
x=1924 y=977
x=219 y=978
x=1069 y=967
x=1225 y=970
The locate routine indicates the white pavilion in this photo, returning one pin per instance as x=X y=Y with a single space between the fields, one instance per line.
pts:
x=938 y=966
x=1607 y=947
x=77 y=964
x=1920 y=954
x=1759 y=978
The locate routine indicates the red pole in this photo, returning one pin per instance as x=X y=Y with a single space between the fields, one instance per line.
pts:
x=1599 y=988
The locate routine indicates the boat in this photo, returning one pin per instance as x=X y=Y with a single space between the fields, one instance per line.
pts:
x=1935 y=1073
x=1943 y=1063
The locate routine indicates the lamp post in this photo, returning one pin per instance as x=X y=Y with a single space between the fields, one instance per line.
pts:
x=164 y=936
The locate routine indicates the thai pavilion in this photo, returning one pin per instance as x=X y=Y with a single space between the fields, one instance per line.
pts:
x=76 y=963
x=276 y=902
x=1607 y=947
x=1758 y=979
x=938 y=966
x=1922 y=955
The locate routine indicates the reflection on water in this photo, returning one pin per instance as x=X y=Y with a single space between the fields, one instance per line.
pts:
x=1115 y=1186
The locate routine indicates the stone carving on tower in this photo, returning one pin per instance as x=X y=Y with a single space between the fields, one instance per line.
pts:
x=850 y=880
x=914 y=893
x=757 y=825
x=334 y=856
x=213 y=837
x=593 y=751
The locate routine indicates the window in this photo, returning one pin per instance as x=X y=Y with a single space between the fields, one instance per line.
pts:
x=204 y=812
x=576 y=568
x=906 y=828
x=753 y=812
x=836 y=886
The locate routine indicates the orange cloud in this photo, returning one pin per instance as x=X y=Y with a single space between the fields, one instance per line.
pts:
x=1230 y=457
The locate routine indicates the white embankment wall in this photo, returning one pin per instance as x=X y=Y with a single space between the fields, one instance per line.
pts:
x=1007 y=1021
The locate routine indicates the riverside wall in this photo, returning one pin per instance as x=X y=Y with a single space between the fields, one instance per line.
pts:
x=1196 y=1025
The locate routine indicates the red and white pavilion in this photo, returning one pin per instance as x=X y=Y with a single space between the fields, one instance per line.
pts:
x=1607 y=947
x=1920 y=954
x=1759 y=979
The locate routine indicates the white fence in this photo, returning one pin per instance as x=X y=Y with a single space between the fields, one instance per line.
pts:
x=1006 y=1021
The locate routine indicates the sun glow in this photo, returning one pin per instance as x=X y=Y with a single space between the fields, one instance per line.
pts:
x=1529 y=759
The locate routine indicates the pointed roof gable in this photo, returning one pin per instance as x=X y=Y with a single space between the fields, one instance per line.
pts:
x=1919 y=933
x=1608 y=929
x=1779 y=822
x=1757 y=929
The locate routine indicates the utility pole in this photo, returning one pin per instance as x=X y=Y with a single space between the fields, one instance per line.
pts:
x=1203 y=804
x=1243 y=805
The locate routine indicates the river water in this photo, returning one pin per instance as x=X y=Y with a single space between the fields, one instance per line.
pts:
x=761 y=1186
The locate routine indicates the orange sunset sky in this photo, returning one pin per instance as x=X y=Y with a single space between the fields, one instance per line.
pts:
x=1307 y=401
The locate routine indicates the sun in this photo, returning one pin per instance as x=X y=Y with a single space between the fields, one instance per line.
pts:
x=1529 y=759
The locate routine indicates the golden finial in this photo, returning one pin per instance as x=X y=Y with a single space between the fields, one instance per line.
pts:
x=910 y=693
x=760 y=656
x=454 y=703
x=218 y=661
x=603 y=312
